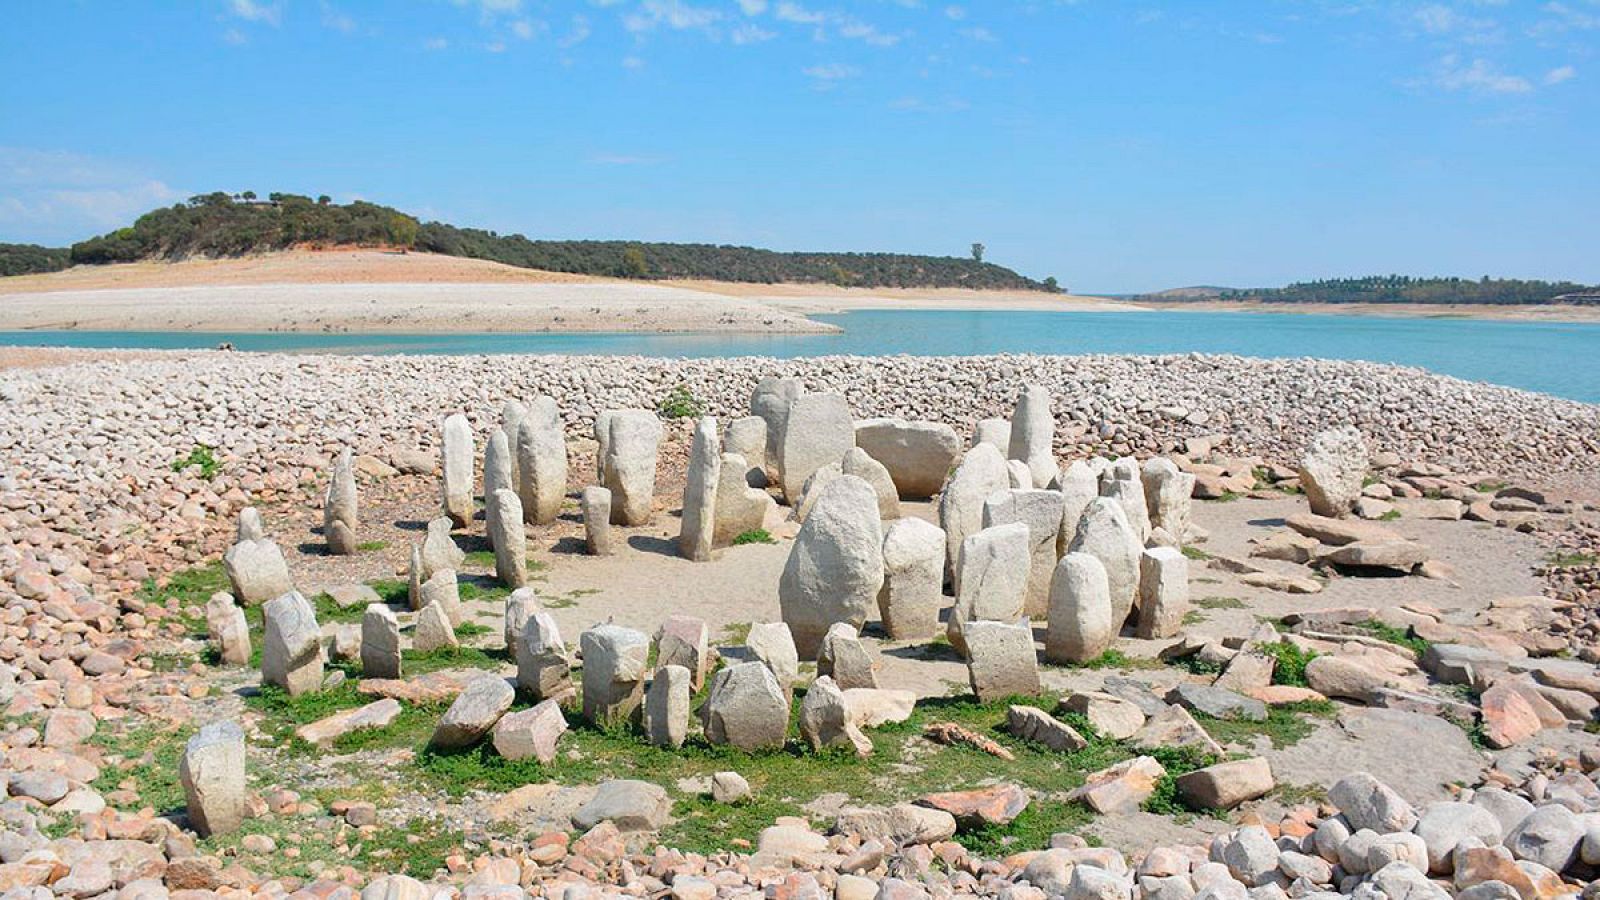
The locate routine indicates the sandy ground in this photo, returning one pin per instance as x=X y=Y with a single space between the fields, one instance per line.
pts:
x=1538 y=313
x=375 y=291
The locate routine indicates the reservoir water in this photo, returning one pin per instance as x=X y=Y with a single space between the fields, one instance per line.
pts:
x=1556 y=358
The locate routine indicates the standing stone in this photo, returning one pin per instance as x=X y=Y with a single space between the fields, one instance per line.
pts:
x=1080 y=627
x=633 y=438
x=380 y=642
x=1033 y=432
x=339 y=514
x=442 y=590
x=434 y=630
x=991 y=580
x=685 y=641
x=415 y=578
x=602 y=437
x=917 y=455
x=1104 y=533
x=1041 y=510
x=981 y=472
x=474 y=711
x=913 y=580
x=994 y=432
x=747 y=437
x=257 y=571
x=746 y=708
x=1079 y=485
x=228 y=630
x=813 y=488
x=817 y=431
x=509 y=539
x=543 y=670
x=695 y=537
x=739 y=507
x=666 y=707
x=541 y=451
x=772 y=645
x=1129 y=494
x=835 y=567
x=520 y=604
x=439 y=550
x=498 y=466
x=511 y=416
x=1001 y=660
x=845 y=659
x=770 y=400
x=1163 y=592
x=250 y=527
x=1333 y=469
x=457 y=481
x=613 y=673
x=825 y=719
x=595 y=502
x=213 y=778
x=1018 y=475
x=858 y=463
x=1167 y=493
x=291 y=646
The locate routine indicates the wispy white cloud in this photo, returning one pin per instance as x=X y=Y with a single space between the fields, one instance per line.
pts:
x=336 y=20
x=55 y=196
x=753 y=7
x=632 y=62
x=1560 y=74
x=674 y=14
x=435 y=43
x=980 y=34
x=788 y=11
x=577 y=33
x=831 y=71
x=750 y=34
x=918 y=104
x=256 y=11
x=1479 y=76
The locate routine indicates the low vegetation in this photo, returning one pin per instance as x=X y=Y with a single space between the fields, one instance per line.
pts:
x=1408 y=289
x=29 y=259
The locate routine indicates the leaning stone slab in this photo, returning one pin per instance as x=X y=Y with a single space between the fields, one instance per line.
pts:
x=1167 y=494
x=257 y=571
x=1122 y=787
x=434 y=630
x=228 y=630
x=899 y=825
x=845 y=659
x=1332 y=471
x=339 y=511
x=377 y=714
x=826 y=720
x=439 y=550
x=817 y=431
x=740 y=508
x=772 y=645
x=291 y=647
x=509 y=539
x=746 y=708
x=633 y=438
x=613 y=673
x=917 y=455
x=835 y=567
x=213 y=778
x=859 y=463
x=595 y=504
x=913 y=576
x=685 y=641
x=1217 y=703
x=1033 y=724
x=473 y=713
x=698 y=528
x=456 y=484
x=1001 y=660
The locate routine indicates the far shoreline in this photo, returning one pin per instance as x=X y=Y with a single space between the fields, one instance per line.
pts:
x=1543 y=312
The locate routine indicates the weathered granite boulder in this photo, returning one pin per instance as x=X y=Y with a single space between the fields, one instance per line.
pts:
x=531 y=733
x=228 y=630
x=917 y=455
x=632 y=443
x=1129 y=494
x=442 y=590
x=844 y=658
x=499 y=471
x=257 y=571
x=991 y=579
x=1001 y=660
x=457 y=461
x=1105 y=534
x=666 y=707
x=994 y=432
x=770 y=400
x=509 y=539
x=1079 y=486
x=982 y=472
x=1167 y=495
x=1080 y=627
x=685 y=641
x=212 y=772
x=1041 y=510
x=628 y=805
x=1033 y=430
x=859 y=463
x=614 y=669
x=826 y=720
x=746 y=708
x=595 y=504
x=1226 y=785
x=835 y=567
x=520 y=604
x=913 y=579
x=250 y=527
x=474 y=712
x=1163 y=592
x=291 y=645
x=380 y=642
x=816 y=432
x=439 y=550
x=339 y=512
x=434 y=630
x=746 y=436
x=543 y=670
x=772 y=645
x=541 y=452
x=740 y=508
x=1333 y=469
x=696 y=533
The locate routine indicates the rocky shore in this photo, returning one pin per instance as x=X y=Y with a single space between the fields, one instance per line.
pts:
x=123 y=478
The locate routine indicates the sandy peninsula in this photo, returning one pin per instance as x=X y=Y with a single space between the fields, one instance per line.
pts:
x=375 y=291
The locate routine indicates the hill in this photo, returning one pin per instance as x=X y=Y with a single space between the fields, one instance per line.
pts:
x=1400 y=289
x=30 y=259
x=224 y=225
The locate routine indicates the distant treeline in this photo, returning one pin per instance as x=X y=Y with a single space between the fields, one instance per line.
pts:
x=26 y=259
x=1405 y=289
x=219 y=224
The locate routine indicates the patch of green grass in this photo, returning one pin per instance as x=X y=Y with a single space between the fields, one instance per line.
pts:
x=1390 y=516
x=754 y=536
x=1289 y=663
x=1489 y=487
x=417 y=662
x=468 y=630
x=393 y=591
x=152 y=750
x=474 y=591
x=1569 y=559
x=412 y=728
x=1030 y=830
x=1220 y=603
x=1196 y=665
x=480 y=559
x=734 y=634
x=1300 y=794
x=1400 y=637
x=1114 y=659
x=203 y=456
x=329 y=611
x=569 y=599
x=1196 y=553
x=1194 y=617
x=1229 y=497
x=680 y=403
x=275 y=704
x=372 y=546
x=1286 y=725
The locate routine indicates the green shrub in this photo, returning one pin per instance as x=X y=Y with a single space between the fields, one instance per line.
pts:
x=1290 y=668
x=201 y=456
x=754 y=536
x=681 y=403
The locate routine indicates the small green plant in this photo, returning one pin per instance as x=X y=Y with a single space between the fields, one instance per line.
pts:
x=1220 y=603
x=372 y=546
x=754 y=536
x=1569 y=559
x=1196 y=553
x=681 y=403
x=468 y=630
x=202 y=456
x=1389 y=516
x=1489 y=487
x=1193 y=617
x=1400 y=637
x=1114 y=659
x=1289 y=663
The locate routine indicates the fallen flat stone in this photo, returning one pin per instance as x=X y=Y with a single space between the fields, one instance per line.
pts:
x=473 y=713
x=627 y=804
x=1218 y=703
x=377 y=714
x=994 y=805
x=1226 y=785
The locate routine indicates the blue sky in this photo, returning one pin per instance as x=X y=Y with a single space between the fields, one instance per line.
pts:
x=1119 y=146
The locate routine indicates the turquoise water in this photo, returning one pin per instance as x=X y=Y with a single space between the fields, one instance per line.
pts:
x=1555 y=358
